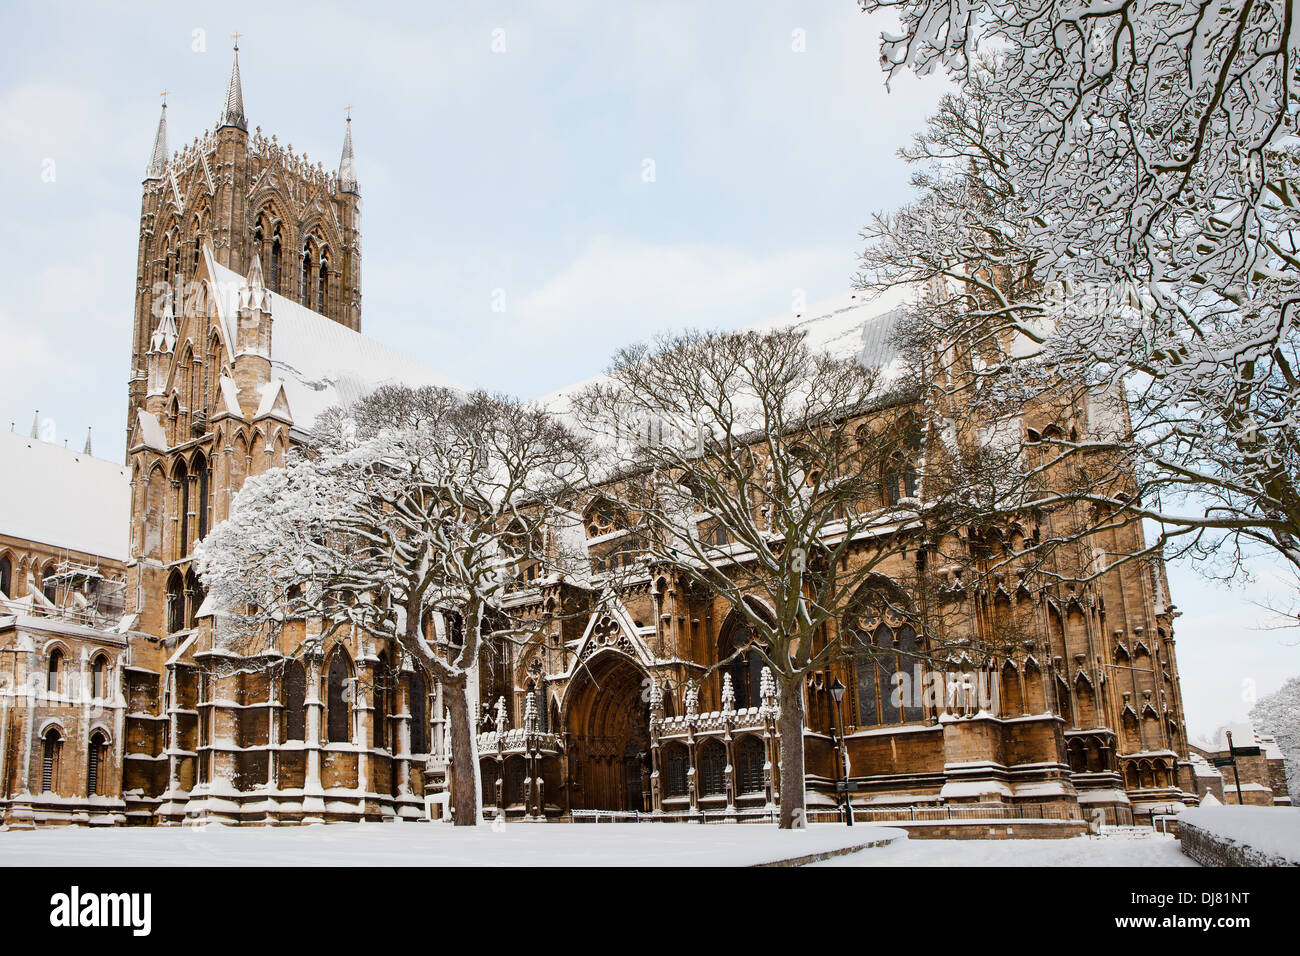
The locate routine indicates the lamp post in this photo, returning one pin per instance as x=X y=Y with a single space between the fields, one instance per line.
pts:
x=1232 y=755
x=837 y=694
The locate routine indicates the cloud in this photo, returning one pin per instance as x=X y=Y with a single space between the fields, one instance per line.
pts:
x=484 y=323
x=563 y=327
x=629 y=288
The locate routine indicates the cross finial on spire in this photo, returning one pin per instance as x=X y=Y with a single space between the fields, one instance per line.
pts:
x=158 y=158
x=235 y=36
x=347 y=163
x=233 y=113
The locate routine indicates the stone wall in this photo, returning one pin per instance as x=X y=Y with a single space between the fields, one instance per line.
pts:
x=1210 y=847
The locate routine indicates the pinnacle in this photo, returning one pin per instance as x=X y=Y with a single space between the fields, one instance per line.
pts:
x=233 y=112
x=158 y=158
x=347 y=164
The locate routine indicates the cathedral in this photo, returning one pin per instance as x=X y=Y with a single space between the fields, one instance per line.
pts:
x=120 y=707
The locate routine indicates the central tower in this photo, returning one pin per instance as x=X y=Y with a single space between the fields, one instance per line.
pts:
x=246 y=195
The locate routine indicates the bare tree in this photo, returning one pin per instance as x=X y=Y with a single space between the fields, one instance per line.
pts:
x=1107 y=221
x=754 y=467
x=412 y=505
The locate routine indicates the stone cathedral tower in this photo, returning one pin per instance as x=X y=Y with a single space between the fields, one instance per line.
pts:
x=244 y=194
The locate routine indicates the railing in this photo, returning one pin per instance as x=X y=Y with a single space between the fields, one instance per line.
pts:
x=1155 y=818
x=691 y=816
x=1119 y=816
x=946 y=813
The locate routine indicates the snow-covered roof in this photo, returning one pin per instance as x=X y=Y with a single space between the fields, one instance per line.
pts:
x=1243 y=735
x=321 y=362
x=63 y=498
x=1201 y=767
x=852 y=325
x=1271 y=749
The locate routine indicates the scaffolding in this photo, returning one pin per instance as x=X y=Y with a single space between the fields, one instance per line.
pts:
x=81 y=590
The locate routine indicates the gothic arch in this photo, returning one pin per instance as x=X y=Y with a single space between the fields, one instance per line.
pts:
x=212 y=371
x=609 y=727
x=277 y=245
x=56 y=655
x=338 y=705
x=880 y=626
x=52 y=740
x=1056 y=631
x=1063 y=708
x=418 y=691
x=173 y=417
x=676 y=762
x=200 y=469
x=48 y=588
x=1086 y=700
x=175 y=602
x=747 y=668
x=183 y=374
x=180 y=508
x=293 y=695
x=238 y=463
x=194 y=595
x=269 y=224
x=257 y=451
x=712 y=761
x=318 y=230
x=154 y=517
x=602 y=517
x=96 y=756
x=380 y=701
x=52 y=724
x=1013 y=702
x=750 y=756
x=1034 y=701
x=100 y=665
x=194 y=242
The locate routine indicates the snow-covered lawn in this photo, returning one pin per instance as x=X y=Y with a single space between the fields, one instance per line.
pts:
x=559 y=844
x=1115 y=846
x=430 y=844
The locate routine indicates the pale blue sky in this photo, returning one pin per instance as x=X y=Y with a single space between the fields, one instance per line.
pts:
x=519 y=170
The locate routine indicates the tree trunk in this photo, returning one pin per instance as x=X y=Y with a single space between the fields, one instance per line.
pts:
x=464 y=754
x=790 y=731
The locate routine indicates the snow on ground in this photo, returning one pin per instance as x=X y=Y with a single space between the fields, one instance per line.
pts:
x=1114 y=846
x=1271 y=830
x=561 y=844
x=430 y=844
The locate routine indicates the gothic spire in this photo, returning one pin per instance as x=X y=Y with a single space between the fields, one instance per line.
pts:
x=158 y=159
x=86 y=450
x=36 y=424
x=347 y=165
x=233 y=112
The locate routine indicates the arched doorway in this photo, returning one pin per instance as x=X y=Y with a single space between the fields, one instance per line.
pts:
x=609 y=735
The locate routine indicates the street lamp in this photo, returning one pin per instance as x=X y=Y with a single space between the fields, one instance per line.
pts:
x=1232 y=755
x=837 y=694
